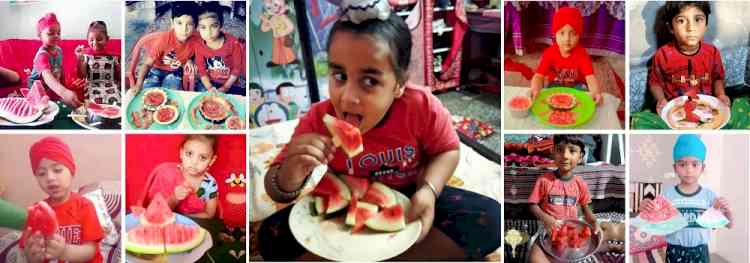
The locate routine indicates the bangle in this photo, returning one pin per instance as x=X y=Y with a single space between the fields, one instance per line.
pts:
x=432 y=188
x=275 y=184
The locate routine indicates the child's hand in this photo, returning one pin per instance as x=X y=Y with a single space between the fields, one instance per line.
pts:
x=725 y=99
x=422 y=209
x=597 y=96
x=304 y=153
x=70 y=98
x=647 y=205
x=550 y=223
x=79 y=50
x=660 y=105
x=55 y=247
x=533 y=92
x=181 y=192
x=34 y=248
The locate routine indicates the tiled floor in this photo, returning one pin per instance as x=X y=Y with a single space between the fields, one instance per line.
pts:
x=482 y=106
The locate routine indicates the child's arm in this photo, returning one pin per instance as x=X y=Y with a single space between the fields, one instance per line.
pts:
x=537 y=83
x=588 y=215
x=594 y=90
x=81 y=62
x=548 y=220
x=658 y=92
x=228 y=85
x=67 y=96
x=210 y=210
x=437 y=172
x=56 y=248
x=301 y=155
x=148 y=62
x=207 y=83
x=720 y=92
x=722 y=204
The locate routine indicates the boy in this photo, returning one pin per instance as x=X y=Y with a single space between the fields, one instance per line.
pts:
x=219 y=58
x=170 y=57
x=690 y=198
x=566 y=63
x=557 y=195
x=79 y=232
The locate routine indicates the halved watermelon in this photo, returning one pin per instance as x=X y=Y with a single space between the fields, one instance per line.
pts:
x=380 y=195
x=153 y=98
x=145 y=239
x=171 y=238
x=344 y=135
x=157 y=213
x=389 y=219
x=180 y=238
x=40 y=218
x=562 y=101
x=166 y=114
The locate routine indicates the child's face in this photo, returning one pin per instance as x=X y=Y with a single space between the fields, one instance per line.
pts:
x=209 y=28
x=276 y=7
x=256 y=95
x=97 y=40
x=183 y=27
x=689 y=169
x=196 y=156
x=566 y=38
x=50 y=35
x=567 y=156
x=689 y=26
x=54 y=179
x=362 y=79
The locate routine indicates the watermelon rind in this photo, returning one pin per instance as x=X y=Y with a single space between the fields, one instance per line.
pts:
x=174 y=117
x=383 y=222
x=381 y=195
x=134 y=246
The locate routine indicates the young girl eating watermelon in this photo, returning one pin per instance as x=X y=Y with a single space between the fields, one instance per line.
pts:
x=99 y=66
x=189 y=188
x=79 y=232
x=409 y=144
x=691 y=199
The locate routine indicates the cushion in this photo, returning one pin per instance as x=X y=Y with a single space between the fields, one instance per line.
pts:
x=111 y=233
x=735 y=61
x=643 y=242
x=638 y=89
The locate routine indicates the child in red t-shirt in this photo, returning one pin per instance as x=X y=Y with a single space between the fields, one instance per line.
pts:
x=409 y=144
x=557 y=196
x=48 y=66
x=171 y=56
x=219 y=57
x=566 y=62
x=79 y=232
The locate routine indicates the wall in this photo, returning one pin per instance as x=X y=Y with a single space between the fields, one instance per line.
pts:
x=734 y=187
x=74 y=17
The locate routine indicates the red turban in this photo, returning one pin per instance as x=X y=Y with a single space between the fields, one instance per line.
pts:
x=46 y=21
x=567 y=16
x=51 y=148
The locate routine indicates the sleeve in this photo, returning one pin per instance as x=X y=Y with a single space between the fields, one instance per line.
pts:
x=584 y=197
x=162 y=180
x=212 y=189
x=238 y=59
x=438 y=134
x=155 y=50
x=41 y=61
x=306 y=125
x=91 y=230
x=538 y=191
x=718 y=70
x=545 y=63
x=200 y=61
x=655 y=74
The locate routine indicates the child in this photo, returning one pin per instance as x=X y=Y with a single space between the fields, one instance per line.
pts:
x=170 y=58
x=79 y=232
x=219 y=58
x=557 y=195
x=189 y=189
x=566 y=63
x=100 y=67
x=368 y=61
x=48 y=61
x=690 y=198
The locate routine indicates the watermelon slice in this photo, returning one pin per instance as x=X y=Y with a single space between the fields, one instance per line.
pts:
x=712 y=218
x=570 y=236
x=562 y=101
x=157 y=213
x=562 y=118
x=171 y=238
x=357 y=185
x=663 y=211
x=37 y=97
x=103 y=110
x=153 y=98
x=166 y=114
x=344 y=135
x=359 y=213
x=331 y=195
x=40 y=218
x=380 y=195
x=389 y=219
x=520 y=103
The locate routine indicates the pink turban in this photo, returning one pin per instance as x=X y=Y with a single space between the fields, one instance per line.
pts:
x=46 y=21
x=51 y=148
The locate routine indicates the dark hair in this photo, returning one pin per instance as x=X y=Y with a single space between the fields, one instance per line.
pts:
x=209 y=8
x=257 y=86
x=185 y=8
x=577 y=140
x=210 y=138
x=672 y=9
x=393 y=31
x=98 y=25
x=283 y=85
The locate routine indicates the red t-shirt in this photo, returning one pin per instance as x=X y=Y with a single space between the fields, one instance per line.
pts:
x=170 y=54
x=677 y=73
x=559 y=198
x=78 y=223
x=565 y=71
x=219 y=64
x=416 y=128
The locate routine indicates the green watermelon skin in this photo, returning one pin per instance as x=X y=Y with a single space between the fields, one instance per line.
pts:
x=170 y=239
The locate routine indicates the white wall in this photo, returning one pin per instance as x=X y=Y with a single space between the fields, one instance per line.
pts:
x=734 y=185
x=74 y=16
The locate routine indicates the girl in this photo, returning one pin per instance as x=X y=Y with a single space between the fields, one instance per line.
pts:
x=99 y=66
x=189 y=188
x=48 y=61
x=220 y=58
x=369 y=52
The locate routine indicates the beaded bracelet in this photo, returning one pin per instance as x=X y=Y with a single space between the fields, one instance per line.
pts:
x=276 y=188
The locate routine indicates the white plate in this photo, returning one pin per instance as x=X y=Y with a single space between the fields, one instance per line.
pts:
x=332 y=239
x=715 y=102
x=48 y=116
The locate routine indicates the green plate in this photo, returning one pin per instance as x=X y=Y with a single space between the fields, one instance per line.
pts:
x=584 y=110
x=200 y=123
x=136 y=104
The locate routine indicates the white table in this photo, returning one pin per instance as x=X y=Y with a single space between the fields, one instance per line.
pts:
x=186 y=97
x=604 y=119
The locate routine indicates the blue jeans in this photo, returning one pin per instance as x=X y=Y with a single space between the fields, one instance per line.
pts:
x=164 y=79
x=235 y=89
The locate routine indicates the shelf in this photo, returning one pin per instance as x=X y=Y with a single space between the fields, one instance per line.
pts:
x=440 y=50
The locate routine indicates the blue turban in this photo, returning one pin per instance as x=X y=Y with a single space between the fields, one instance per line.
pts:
x=689 y=145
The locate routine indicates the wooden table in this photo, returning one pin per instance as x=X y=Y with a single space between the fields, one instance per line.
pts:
x=604 y=119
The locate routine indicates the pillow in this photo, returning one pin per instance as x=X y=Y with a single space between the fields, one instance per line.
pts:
x=735 y=61
x=642 y=242
x=111 y=234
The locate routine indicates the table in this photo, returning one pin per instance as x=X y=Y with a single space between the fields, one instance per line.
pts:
x=606 y=181
x=186 y=97
x=604 y=119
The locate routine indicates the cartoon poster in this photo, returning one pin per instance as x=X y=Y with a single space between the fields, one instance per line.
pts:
x=278 y=87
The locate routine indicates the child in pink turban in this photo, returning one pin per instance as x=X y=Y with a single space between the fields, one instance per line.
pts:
x=566 y=63
x=79 y=232
x=48 y=62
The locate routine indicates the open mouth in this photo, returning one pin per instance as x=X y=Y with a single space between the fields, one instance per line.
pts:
x=352 y=118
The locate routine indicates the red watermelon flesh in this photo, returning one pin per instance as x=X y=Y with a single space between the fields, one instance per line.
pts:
x=389 y=219
x=179 y=238
x=40 y=218
x=157 y=213
x=145 y=239
x=333 y=192
x=359 y=213
x=663 y=210
x=520 y=102
x=344 y=135
x=570 y=236
x=357 y=185
x=171 y=238
x=380 y=195
x=104 y=110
